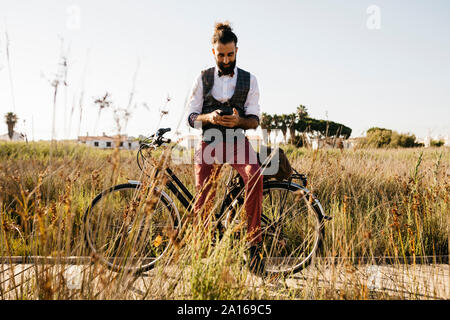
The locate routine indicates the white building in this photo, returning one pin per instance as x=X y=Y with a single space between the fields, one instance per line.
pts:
x=256 y=139
x=427 y=140
x=109 y=142
x=445 y=138
x=330 y=143
x=16 y=137
x=191 y=141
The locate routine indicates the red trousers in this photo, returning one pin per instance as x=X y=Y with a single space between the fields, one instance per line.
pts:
x=241 y=156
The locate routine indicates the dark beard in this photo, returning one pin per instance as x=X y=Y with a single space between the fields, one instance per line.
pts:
x=226 y=70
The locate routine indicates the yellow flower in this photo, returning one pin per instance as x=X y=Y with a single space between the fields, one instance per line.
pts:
x=157 y=242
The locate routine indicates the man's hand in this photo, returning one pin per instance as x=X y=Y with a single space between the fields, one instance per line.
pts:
x=212 y=117
x=230 y=121
x=215 y=118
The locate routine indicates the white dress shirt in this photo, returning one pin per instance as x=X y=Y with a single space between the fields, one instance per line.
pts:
x=223 y=90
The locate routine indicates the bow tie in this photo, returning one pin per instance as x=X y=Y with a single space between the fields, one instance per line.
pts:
x=228 y=74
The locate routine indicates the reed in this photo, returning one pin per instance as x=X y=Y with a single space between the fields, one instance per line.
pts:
x=383 y=202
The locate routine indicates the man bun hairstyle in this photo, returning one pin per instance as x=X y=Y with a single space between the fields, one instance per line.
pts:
x=223 y=33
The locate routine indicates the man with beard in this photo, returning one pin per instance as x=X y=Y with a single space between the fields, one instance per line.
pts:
x=224 y=103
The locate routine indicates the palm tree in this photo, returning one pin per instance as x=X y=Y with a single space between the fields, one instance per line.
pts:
x=276 y=123
x=266 y=124
x=11 y=120
x=291 y=118
x=283 y=123
x=302 y=112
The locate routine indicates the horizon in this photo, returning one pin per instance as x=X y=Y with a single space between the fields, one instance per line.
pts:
x=363 y=63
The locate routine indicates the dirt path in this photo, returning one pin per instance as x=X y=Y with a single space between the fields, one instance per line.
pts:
x=430 y=281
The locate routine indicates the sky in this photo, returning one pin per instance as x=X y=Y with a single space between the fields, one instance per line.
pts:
x=383 y=63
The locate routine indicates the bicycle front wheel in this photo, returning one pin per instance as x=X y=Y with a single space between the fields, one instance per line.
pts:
x=128 y=229
x=291 y=227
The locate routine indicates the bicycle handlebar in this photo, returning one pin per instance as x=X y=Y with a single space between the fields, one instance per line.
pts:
x=162 y=131
x=155 y=139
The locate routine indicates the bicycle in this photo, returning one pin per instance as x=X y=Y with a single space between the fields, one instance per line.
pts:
x=129 y=230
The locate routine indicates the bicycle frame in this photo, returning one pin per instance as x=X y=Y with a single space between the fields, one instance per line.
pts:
x=233 y=196
x=176 y=186
x=184 y=196
x=234 y=187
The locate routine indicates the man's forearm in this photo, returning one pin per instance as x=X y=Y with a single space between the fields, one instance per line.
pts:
x=195 y=117
x=204 y=118
x=248 y=123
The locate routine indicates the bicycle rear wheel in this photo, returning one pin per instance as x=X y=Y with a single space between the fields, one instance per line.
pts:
x=129 y=230
x=291 y=227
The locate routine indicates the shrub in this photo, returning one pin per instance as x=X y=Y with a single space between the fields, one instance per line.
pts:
x=437 y=143
x=386 y=138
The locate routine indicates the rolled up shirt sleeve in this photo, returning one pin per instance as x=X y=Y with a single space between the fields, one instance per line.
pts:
x=192 y=117
x=195 y=102
x=251 y=106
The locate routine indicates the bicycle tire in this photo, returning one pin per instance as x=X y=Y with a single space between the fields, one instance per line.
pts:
x=142 y=234
x=290 y=239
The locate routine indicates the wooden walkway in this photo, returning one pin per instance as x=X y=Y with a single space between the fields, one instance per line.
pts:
x=422 y=278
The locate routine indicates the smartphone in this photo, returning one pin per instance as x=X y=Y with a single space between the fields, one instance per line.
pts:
x=225 y=113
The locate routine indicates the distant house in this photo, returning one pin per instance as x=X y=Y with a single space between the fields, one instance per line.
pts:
x=321 y=144
x=16 y=137
x=351 y=143
x=427 y=140
x=191 y=141
x=331 y=143
x=109 y=142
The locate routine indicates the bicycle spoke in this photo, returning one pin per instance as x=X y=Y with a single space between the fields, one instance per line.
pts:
x=127 y=230
x=290 y=230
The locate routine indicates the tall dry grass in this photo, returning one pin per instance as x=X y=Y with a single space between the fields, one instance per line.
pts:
x=395 y=199
x=383 y=203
